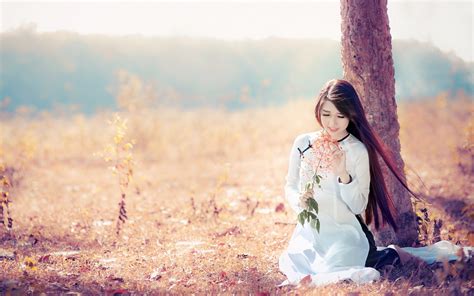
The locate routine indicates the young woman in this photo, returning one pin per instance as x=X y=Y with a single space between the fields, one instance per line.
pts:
x=351 y=184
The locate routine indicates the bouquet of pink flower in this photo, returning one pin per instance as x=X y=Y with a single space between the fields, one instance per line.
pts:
x=323 y=149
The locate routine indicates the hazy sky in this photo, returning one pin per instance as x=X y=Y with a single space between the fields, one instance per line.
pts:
x=447 y=24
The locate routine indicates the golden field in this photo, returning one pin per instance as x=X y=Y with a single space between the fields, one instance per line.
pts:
x=205 y=206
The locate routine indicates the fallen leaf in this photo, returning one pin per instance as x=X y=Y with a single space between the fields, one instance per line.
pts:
x=155 y=275
x=188 y=243
x=264 y=211
x=190 y=282
x=45 y=259
x=230 y=231
x=30 y=263
x=67 y=254
x=280 y=208
x=305 y=281
x=4 y=254
x=32 y=240
x=117 y=292
x=223 y=276
x=115 y=279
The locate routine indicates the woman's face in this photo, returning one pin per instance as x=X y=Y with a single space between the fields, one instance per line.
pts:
x=333 y=122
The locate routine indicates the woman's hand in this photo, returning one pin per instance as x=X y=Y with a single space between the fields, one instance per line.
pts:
x=304 y=198
x=338 y=165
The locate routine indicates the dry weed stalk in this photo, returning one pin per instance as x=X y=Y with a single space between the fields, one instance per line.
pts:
x=193 y=205
x=5 y=216
x=429 y=230
x=464 y=153
x=120 y=154
x=222 y=180
x=12 y=167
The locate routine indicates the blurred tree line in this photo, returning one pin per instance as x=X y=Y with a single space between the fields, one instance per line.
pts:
x=44 y=70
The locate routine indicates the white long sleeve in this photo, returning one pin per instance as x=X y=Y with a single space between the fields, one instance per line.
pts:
x=292 y=186
x=356 y=193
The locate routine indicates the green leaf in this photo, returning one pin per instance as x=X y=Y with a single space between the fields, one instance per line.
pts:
x=313 y=224
x=310 y=204
x=317 y=178
x=301 y=217
x=313 y=204
x=313 y=216
x=318 y=225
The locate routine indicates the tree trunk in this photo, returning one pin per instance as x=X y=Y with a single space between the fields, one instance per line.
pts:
x=368 y=65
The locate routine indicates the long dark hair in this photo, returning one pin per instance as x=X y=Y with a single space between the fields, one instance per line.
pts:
x=343 y=95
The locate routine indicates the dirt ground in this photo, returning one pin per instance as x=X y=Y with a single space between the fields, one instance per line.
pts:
x=205 y=207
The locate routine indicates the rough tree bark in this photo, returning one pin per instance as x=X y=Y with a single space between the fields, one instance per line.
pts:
x=368 y=65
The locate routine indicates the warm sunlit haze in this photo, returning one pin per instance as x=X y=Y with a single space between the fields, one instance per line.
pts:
x=144 y=145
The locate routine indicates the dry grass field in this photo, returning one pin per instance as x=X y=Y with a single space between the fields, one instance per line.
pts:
x=205 y=206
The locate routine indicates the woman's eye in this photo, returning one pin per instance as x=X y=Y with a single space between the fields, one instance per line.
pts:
x=339 y=116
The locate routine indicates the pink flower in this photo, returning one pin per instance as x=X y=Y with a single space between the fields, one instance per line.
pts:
x=323 y=148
